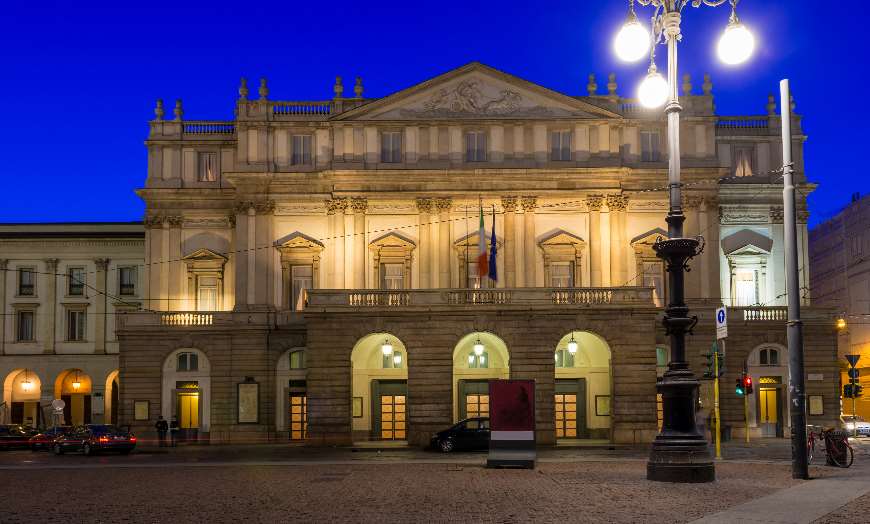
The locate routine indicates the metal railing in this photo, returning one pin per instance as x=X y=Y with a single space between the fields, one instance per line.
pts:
x=209 y=128
x=743 y=125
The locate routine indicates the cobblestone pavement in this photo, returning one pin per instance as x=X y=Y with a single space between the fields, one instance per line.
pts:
x=281 y=484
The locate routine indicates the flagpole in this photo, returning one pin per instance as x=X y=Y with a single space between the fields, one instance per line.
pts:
x=466 y=249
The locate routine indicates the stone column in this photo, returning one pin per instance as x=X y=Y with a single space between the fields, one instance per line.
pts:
x=359 y=206
x=241 y=255
x=102 y=265
x=434 y=251
x=704 y=269
x=593 y=203
x=177 y=278
x=4 y=264
x=424 y=208
x=443 y=206
x=264 y=254
x=604 y=250
x=165 y=245
x=50 y=319
x=509 y=204
x=251 y=252
x=529 y=204
x=618 y=270
x=338 y=243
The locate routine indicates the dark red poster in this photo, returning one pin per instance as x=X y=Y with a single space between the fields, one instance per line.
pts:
x=512 y=405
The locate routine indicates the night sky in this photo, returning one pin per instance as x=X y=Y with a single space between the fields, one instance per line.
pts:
x=80 y=79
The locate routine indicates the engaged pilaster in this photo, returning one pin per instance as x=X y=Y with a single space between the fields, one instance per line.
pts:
x=50 y=321
x=529 y=203
x=359 y=205
x=593 y=203
x=101 y=305
x=443 y=206
x=509 y=204
x=618 y=271
x=424 y=208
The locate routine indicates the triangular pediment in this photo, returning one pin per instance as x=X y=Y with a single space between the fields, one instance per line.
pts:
x=204 y=254
x=392 y=240
x=476 y=91
x=472 y=240
x=649 y=238
x=299 y=240
x=747 y=242
x=560 y=237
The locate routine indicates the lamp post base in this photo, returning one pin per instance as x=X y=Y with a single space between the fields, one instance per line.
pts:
x=685 y=460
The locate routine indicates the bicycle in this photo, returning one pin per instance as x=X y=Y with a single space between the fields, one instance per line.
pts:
x=838 y=451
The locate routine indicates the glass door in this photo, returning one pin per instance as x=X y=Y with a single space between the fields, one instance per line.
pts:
x=768 y=412
x=393 y=417
x=476 y=405
x=188 y=410
x=298 y=417
x=566 y=415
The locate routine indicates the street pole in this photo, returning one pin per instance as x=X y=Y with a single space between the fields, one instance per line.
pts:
x=679 y=452
x=716 y=398
x=795 y=328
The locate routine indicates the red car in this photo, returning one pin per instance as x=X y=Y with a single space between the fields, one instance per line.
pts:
x=44 y=439
x=94 y=438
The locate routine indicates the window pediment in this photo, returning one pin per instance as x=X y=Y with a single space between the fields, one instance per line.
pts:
x=204 y=259
x=392 y=242
x=561 y=239
x=299 y=244
x=643 y=243
x=747 y=241
x=472 y=241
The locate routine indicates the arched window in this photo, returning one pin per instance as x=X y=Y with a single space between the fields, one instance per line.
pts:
x=297 y=360
x=564 y=359
x=395 y=360
x=478 y=361
x=187 y=362
x=768 y=357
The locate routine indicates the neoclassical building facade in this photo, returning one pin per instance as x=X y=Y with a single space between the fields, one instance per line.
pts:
x=311 y=267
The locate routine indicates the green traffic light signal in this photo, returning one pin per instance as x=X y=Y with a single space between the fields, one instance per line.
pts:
x=739 y=388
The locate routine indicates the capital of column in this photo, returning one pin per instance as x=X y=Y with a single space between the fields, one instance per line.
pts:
x=336 y=205
x=529 y=203
x=443 y=204
x=776 y=214
x=50 y=264
x=102 y=264
x=241 y=207
x=424 y=205
x=803 y=216
x=594 y=202
x=509 y=203
x=153 y=221
x=691 y=202
x=617 y=202
x=174 y=220
x=359 y=204
x=265 y=207
x=231 y=219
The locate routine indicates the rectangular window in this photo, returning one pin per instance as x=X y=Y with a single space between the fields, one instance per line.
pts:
x=26 y=281
x=560 y=145
x=301 y=278
x=391 y=147
x=649 y=146
x=301 y=150
x=25 y=326
x=76 y=281
x=474 y=281
x=207 y=167
x=562 y=274
x=746 y=287
x=475 y=146
x=653 y=276
x=127 y=280
x=744 y=160
x=393 y=276
x=75 y=325
x=206 y=293
x=188 y=362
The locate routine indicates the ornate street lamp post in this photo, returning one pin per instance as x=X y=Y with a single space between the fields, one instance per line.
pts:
x=679 y=452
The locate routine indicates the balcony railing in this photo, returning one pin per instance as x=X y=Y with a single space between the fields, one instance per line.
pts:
x=209 y=128
x=743 y=125
x=186 y=319
x=373 y=298
x=323 y=108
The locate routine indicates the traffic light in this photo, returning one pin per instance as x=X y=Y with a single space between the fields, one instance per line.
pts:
x=747 y=384
x=847 y=391
x=740 y=389
x=712 y=365
x=708 y=371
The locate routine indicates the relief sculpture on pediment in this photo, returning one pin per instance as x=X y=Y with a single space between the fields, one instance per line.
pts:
x=468 y=98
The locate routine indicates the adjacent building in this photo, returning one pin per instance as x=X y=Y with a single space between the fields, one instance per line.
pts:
x=839 y=249
x=310 y=267
x=64 y=289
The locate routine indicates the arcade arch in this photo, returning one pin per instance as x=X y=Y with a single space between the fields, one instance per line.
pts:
x=583 y=387
x=478 y=358
x=21 y=392
x=186 y=391
x=379 y=388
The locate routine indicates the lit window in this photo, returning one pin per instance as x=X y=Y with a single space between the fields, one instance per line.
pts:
x=478 y=361
x=206 y=293
x=649 y=146
x=393 y=276
x=26 y=281
x=474 y=279
x=391 y=147
x=207 y=167
x=301 y=279
x=560 y=145
x=188 y=362
x=743 y=160
x=127 y=280
x=297 y=360
x=395 y=360
x=25 y=326
x=475 y=146
x=298 y=416
x=562 y=274
x=301 y=150
x=746 y=287
x=75 y=325
x=768 y=357
x=76 y=281
x=564 y=359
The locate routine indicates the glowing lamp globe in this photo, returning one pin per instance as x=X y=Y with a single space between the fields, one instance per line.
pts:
x=736 y=44
x=478 y=348
x=76 y=385
x=27 y=385
x=397 y=359
x=631 y=42
x=386 y=348
x=572 y=346
x=653 y=91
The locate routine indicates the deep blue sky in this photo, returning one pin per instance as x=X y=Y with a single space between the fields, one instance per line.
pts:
x=81 y=78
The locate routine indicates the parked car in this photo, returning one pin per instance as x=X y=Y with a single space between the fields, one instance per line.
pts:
x=853 y=422
x=15 y=436
x=468 y=434
x=95 y=438
x=44 y=439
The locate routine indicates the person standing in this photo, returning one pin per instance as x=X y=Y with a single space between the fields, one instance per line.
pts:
x=173 y=430
x=162 y=427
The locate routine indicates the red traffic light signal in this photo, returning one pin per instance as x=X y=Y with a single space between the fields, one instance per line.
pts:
x=747 y=384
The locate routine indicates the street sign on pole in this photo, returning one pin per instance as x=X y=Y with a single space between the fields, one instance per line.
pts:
x=721 y=323
x=853 y=359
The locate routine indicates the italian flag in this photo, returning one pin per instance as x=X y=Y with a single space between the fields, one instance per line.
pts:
x=482 y=264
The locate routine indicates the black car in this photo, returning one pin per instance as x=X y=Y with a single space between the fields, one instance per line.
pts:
x=94 y=438
x=15 y=436
x=468 y=434
x=45 y=438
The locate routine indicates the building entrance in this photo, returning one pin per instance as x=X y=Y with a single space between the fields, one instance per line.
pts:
x=393 y=417
x=473 y=398
x=569 y=405
x=188 y=410
x=298 y=416
x=769 y=416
